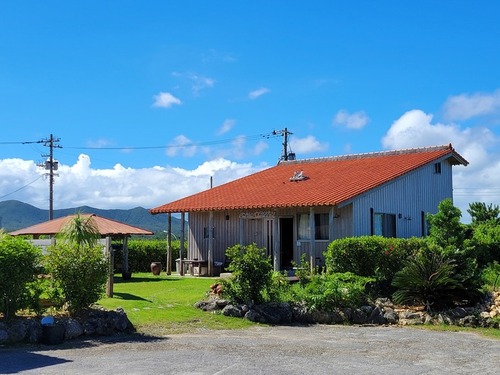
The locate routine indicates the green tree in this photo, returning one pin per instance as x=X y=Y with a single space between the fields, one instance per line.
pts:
x=446 y=230
x=19 y=265
x=78 y=265
x=481 y=213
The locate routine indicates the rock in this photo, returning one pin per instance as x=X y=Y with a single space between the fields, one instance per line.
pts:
x=457 y=313
x=384 y=302
x=4 y=336
x=269 y=313
x=254 y=316
x=17 y=331
x=377 y=317
x=73 y=329
x=358 y=316
x=231 y=310
x=391 y=316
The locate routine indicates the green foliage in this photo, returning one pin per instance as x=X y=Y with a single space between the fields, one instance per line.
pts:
x=251 y=275
x=327 y=291
x=445 y=227
x=491 y=277
x=303 y=270
x=19 y=265
x=429 y=279
x=78 y=265
x=80 y=272
x=484 y=245
x=481 y=213
x=81 y=231
x=370 y=256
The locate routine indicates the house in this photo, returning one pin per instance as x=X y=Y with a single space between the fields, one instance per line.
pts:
x=300 y=206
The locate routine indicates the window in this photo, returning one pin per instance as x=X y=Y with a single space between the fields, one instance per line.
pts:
x=384 y=225
x=206 y=233
x=321 y=227
x=437 y=168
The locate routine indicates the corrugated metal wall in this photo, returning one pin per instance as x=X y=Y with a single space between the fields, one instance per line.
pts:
x=406 y=197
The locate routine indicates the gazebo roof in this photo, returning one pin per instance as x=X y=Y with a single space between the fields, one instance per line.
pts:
x=106 y=227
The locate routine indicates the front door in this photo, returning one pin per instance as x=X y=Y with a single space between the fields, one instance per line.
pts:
x=286 y=242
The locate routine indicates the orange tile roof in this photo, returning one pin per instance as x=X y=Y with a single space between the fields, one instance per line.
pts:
x=329 y=181
x=107 y=227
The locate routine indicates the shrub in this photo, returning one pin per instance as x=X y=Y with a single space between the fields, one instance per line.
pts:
x=80 y=272
x=491 y=277
x=485 y=244
x=371 y=256
x=327 y=291
x=429 y=279
x=78 y=265
x=19 y=265
x=251 y=275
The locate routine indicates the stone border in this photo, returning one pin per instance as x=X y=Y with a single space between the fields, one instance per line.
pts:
x=382 y=312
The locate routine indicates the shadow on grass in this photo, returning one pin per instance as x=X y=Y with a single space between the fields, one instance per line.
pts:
x=129 y=297
x=118 y=279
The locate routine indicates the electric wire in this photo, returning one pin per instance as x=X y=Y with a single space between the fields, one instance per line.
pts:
x=22 y=187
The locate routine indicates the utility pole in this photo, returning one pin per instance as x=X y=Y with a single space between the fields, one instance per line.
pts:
x=286 y=155
x=51 y=165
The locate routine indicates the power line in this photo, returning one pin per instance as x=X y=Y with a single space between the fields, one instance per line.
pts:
x=22 y=187
x=190 y=144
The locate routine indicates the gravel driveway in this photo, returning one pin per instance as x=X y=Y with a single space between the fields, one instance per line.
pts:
x=316 y=349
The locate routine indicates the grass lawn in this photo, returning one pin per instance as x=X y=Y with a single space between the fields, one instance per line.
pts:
x=162 y=305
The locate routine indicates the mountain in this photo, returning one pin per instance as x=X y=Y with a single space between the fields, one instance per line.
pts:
x=17 y=215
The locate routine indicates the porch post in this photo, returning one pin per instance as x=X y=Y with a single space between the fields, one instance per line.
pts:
x=125 y=254
x=312 y=250
x=181 y=243
x=331 y=223
x=210 y=242
x=111 y=259
x=276 y=245
x=169 y=243
x=242 y=231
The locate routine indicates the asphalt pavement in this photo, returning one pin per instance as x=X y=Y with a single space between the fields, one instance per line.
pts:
x=316 y=349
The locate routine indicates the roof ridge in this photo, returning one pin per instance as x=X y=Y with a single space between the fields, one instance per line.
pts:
x=371 y=154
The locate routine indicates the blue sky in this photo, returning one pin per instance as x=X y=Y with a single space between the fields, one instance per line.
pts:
x=149 y=99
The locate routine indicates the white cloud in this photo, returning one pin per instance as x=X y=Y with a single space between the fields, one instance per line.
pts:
x=307 y=145
x=466 y=106
x=227 y=125
x=258 y=93
x=115 y=188
x=165 y=100
x=181 y=144
x=478 y=181
x=198 y=82
x=356 y=120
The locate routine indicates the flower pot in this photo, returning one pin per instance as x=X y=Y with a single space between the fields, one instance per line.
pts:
x=156 y=268
x=52 y=334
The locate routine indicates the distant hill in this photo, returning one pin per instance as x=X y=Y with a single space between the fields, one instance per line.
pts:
x=16 y=215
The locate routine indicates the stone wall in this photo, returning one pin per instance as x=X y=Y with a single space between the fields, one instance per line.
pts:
x=92 y=322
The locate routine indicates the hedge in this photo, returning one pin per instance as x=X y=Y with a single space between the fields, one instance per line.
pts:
x=142 y=252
